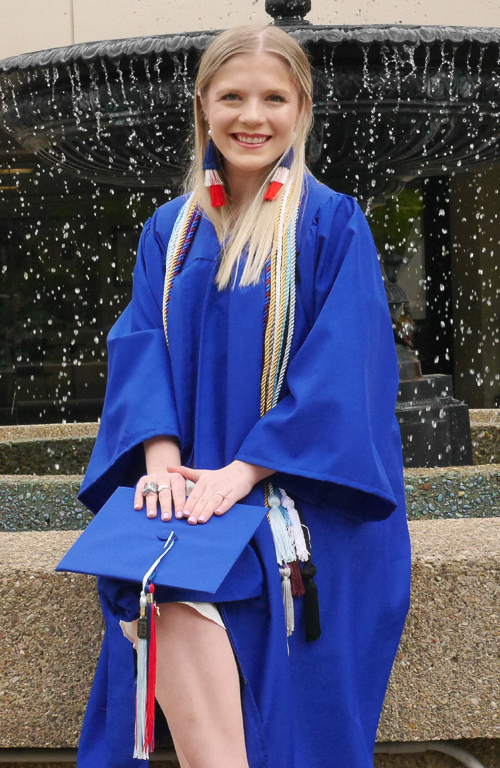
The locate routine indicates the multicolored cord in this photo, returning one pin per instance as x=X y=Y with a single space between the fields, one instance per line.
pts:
x=279 y=313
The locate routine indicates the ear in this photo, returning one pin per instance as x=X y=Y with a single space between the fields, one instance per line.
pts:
x=202 y=103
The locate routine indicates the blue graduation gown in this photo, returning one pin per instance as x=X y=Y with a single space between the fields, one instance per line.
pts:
x=333 y=439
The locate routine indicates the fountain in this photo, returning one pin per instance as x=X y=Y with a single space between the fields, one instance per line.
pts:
x=392 y=104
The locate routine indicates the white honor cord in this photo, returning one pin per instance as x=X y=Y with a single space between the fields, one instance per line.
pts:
x=168 y=545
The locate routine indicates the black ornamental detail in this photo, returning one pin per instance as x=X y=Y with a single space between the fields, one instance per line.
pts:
x=288 y=12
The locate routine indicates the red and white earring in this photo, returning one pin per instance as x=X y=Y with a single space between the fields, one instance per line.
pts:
x=212 y=166
x=280 y=176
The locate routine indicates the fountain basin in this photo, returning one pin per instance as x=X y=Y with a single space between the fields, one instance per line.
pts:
x=391 y=103
x=43 y=465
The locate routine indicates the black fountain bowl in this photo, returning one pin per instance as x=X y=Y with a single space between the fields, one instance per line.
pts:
x=390 y=103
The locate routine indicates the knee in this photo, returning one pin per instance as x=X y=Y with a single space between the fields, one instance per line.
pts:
x=129 y=629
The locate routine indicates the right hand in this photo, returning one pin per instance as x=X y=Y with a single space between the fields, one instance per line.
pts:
x=170 y=500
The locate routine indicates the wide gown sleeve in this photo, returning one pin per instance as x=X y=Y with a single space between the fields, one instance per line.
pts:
x=140 y=400
x=333 y=437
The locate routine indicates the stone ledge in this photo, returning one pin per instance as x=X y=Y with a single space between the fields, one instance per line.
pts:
x=43 y=503
x=453 y=492
x=61 y=449
x=444 y=684
x=48 y=502
x=446 y=678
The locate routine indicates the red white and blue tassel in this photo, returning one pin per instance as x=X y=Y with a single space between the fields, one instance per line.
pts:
x=146 y=662
x=211 y=166
x=280 y=176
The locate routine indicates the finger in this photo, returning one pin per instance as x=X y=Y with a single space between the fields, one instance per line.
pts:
x=138 y=497
x=224 y=506
x=152 y=504
x=191 y=474
x=165 y=499
x=191 y=502
x=178 y=498
x=205 y=507
x=211 y=505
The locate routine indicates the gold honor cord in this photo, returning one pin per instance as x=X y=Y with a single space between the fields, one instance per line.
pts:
x=278 y=270
x=175 y=246
x=278 y=350
x=278 y=310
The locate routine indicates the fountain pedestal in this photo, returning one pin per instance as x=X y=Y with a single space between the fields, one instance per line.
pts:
x=435 y=427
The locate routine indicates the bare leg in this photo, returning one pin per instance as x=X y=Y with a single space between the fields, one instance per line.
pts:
x=181 y=757
x=198 y=689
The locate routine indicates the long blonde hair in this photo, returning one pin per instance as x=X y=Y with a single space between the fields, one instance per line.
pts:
x=253 y=226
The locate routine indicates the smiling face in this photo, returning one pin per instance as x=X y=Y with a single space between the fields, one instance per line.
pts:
x=252 y=107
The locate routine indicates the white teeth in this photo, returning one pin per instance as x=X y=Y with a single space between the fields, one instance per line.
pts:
x=249 y=140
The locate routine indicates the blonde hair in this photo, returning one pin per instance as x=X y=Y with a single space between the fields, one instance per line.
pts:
x=253 y=226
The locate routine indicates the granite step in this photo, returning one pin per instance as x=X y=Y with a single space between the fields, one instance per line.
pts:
x=446 y=678
x=64 y=449
x=49 y=503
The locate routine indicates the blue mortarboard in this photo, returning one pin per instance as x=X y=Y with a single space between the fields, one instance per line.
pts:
x=211 y=561
x=123 y=543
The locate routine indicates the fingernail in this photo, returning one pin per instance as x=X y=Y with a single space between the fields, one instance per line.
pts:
x=202 y=518
x=151 y=513
x=191 y=519
x=186 y=512
x=137 y=506
x=218 y=509
x=165 y=517
x=178 y=513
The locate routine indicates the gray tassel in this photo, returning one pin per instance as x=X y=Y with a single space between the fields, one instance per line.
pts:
x=286 y=591
x=140 y=751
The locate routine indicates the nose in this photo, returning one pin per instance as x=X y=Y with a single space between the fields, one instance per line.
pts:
x=252 y=112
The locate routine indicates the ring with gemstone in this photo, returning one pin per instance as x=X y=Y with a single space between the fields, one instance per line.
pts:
x=149 y=487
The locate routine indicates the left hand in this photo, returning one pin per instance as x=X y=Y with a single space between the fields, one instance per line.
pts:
x=236 y=480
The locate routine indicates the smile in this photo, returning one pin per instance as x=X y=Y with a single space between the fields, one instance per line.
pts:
x=250 y=140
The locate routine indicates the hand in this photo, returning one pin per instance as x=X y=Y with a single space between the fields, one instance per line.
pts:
x=168 y=498
x=235 y=480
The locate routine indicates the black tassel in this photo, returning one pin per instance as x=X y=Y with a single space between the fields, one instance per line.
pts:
x=311 y=599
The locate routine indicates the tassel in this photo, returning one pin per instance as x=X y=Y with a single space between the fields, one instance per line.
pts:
x=298 y=588
x=217 y=195
x=279 y=176
x=151 y=698
x=211 y=166
x=146 y=661
x=311 y=602
x=296 y=527
x=286 y=591
x=140 y=750
x=279 y=529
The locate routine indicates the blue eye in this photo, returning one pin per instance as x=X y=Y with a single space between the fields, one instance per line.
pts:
x=277 y=97
x=231 y=96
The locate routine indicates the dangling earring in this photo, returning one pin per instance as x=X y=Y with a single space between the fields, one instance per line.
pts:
x=211 y=166
x=280 y=176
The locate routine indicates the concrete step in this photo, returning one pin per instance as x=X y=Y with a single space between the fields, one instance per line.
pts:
x=445 y=682
x=46 y=449
x=64 y=449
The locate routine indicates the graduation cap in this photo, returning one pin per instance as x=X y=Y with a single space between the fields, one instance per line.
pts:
x=123 y=543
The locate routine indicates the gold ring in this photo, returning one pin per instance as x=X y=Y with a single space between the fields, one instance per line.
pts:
x=225 y=495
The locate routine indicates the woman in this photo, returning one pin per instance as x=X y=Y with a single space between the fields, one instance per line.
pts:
x=276 y=386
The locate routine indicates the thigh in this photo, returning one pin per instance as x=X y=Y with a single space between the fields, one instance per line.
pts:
x=208 y=610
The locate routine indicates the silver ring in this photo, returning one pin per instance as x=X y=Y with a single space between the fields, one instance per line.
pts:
x=164 y=487
x=225 y=495
x=149 y=487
